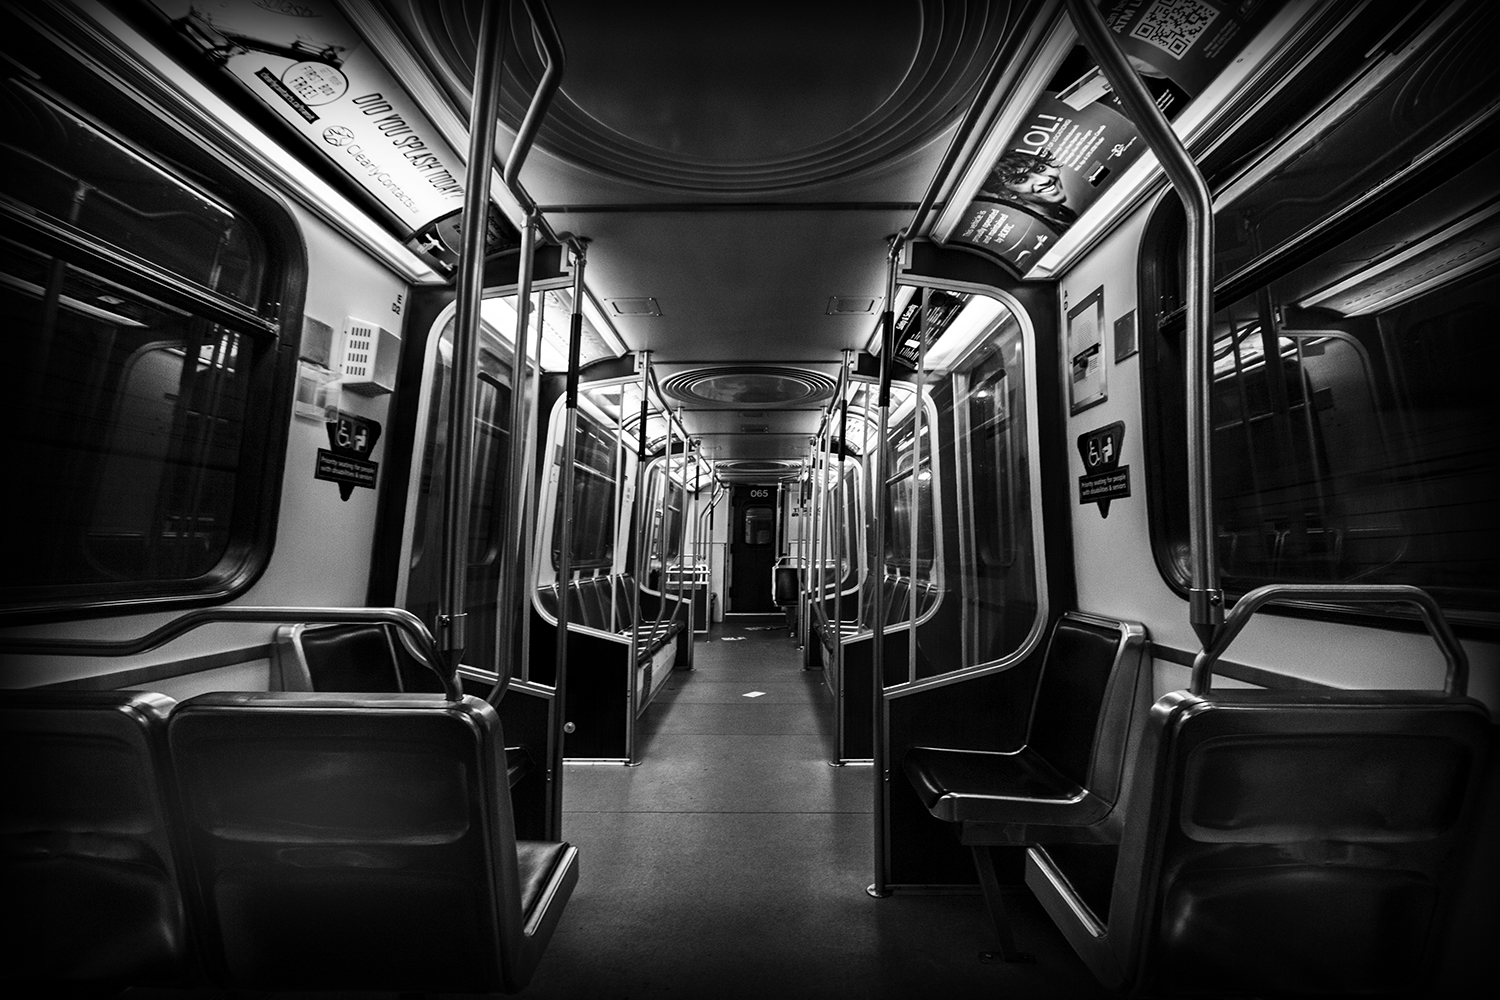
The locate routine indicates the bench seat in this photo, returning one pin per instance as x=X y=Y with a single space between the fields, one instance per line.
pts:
x=1063 y=784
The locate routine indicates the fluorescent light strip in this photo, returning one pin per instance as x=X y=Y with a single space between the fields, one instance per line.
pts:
x=272 y=160
x=373 y=25
x=979 y=316
x=602 y=325
x=385 y=42
x=903 y=296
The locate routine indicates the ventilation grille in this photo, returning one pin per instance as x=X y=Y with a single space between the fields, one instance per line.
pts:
x=758 y=472
x=634 y=307
x=738 y=386
x=359 y=349
x=852 y=305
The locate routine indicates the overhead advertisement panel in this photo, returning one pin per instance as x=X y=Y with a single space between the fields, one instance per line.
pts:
x=1076 y=140
x=941 y=307
x=309 y=65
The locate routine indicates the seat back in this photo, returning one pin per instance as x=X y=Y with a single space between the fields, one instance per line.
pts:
x=1302 y=842
x=786 y=584
x=90 y=874
x=1092 y=688
x=353 y=657
x=358 y=843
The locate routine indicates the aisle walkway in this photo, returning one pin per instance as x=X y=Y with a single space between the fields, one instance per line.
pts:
x=732 y=861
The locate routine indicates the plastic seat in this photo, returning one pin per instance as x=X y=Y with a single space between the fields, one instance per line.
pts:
x=361 y=843
x=1282 y=841
x=1063 y=784
x=90 y=870
x=364 y=657
x=1279 y=842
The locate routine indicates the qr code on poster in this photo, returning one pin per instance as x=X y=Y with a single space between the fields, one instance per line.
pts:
x=1174 y=25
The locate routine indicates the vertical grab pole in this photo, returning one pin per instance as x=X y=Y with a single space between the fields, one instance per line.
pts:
x=641 y=530
x=512 y=581
x=666 y=502
x=528 y=525
x=919 y=416
x=814 y=579
x=1205 y=599
x=459 y=470
x=638 y=526
x=560 y=725
x=682 y=522
x=877 y=615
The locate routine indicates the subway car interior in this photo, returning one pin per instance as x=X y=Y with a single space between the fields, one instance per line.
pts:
x=825 y=457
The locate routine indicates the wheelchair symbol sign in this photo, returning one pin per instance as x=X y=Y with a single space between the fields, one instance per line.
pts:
x=1103 y=479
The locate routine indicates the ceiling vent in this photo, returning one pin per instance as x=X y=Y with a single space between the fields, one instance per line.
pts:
x=758 y=472
x=755 y=428
x=634 y=307
x=740 y=386
x=852 y=305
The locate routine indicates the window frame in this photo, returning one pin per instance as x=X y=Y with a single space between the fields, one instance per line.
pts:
x=120 y=98
x=1164 y=419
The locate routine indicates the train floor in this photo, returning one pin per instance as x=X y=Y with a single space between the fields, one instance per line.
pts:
x=732 y=861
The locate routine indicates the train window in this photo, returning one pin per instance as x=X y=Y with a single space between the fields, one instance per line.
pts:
x=853 y=514
x=72 y=171
x=908 y=495
x=1351 y=415
x=595 y=456
x=664 y=547
x=759 y=525
x=992 y=458
x=146 y=285
x=1359 y=447
x=486 y=506
x=999 y=585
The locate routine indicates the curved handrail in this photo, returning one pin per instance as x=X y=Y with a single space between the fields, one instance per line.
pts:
x=1455 y=683
x=1205 y=596
x=544 y=29
x=422 y=645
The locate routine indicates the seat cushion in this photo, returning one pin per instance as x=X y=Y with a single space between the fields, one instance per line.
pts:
x=990 y=787
x=535 y=861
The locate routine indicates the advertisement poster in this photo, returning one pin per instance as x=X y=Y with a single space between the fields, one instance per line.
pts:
x=941 y=307
x=307 y=63
x=1076 y=140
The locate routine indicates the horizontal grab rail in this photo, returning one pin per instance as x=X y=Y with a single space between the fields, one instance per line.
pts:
x=1456 y=682
x=424 y=648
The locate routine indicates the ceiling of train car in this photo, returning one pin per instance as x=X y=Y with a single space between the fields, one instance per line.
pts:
x=742 y=165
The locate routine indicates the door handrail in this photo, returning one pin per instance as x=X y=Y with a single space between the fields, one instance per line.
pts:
x=421 y=644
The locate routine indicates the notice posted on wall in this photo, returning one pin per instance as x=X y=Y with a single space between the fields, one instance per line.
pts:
x=1086 y=384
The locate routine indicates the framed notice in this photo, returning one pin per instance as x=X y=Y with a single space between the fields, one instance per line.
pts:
x=1085 y=342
